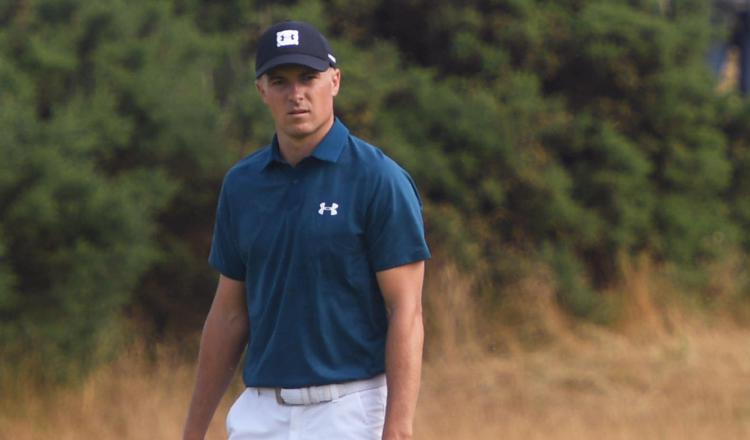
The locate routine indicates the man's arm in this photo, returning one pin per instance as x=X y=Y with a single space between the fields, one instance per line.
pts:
x=222 y=342
x=402 y=291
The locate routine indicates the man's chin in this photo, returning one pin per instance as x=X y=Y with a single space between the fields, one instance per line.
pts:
x=299 y=131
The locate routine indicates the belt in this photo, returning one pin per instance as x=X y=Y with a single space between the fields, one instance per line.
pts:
x=322 y=393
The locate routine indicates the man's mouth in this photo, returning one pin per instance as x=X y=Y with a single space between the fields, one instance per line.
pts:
x=297 y=112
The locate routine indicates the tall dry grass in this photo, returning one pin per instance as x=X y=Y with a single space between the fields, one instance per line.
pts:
x=662 y=371
x=135 y=397
x=659 y=373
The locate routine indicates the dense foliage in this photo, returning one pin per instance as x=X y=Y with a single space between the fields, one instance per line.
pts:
x=573 y=133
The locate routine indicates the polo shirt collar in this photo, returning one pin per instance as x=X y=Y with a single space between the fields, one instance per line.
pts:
x=329 y=149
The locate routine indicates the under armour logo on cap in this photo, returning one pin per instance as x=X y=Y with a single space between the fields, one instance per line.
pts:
x=289 y=37
x=293 y=42
x=332 y=209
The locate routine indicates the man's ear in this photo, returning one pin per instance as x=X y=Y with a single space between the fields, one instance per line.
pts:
x=335 y=80
x=260 y=86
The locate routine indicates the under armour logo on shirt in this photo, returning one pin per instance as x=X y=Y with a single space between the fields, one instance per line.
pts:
x=287 y=38
x=332 y=209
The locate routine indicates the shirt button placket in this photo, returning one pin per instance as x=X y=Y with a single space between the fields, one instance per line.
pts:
x=295 y=190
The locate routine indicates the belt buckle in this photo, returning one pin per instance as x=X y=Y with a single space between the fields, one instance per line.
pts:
x=279 y=399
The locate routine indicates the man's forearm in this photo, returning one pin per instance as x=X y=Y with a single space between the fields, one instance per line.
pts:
x=222 y=343
x=403 y=371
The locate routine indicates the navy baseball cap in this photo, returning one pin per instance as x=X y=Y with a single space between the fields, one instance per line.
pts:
x=293 y=42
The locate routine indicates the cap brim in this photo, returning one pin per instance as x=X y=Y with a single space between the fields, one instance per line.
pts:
x=299 y=59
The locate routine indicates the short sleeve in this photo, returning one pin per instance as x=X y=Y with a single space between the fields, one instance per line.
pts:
x=395 y=230
x=224 y=255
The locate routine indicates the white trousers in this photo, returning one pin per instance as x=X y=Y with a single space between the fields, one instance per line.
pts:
x=257 y=415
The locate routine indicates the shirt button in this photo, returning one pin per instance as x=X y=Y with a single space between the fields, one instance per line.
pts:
x=295 y=180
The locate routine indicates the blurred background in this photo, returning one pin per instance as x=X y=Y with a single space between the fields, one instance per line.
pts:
x=584 y=164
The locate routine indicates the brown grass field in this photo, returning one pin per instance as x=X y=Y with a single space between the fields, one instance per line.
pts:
x=643 y=379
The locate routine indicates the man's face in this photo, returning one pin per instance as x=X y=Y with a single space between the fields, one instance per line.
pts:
x=300 y=99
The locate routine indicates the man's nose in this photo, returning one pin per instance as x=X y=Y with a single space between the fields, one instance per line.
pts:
x=296 y=91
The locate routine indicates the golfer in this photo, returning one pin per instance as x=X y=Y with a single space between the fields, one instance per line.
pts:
x=320 y=246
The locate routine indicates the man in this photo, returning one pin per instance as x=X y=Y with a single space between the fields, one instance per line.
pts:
x=320 y=247
x=732 y=17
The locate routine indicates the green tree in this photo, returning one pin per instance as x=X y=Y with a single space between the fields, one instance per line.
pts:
x=110 y=151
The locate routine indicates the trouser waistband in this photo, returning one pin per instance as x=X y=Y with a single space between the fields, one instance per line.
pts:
x=322 y=393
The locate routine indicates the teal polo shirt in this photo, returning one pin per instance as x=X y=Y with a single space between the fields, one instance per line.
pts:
x=307 y=241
